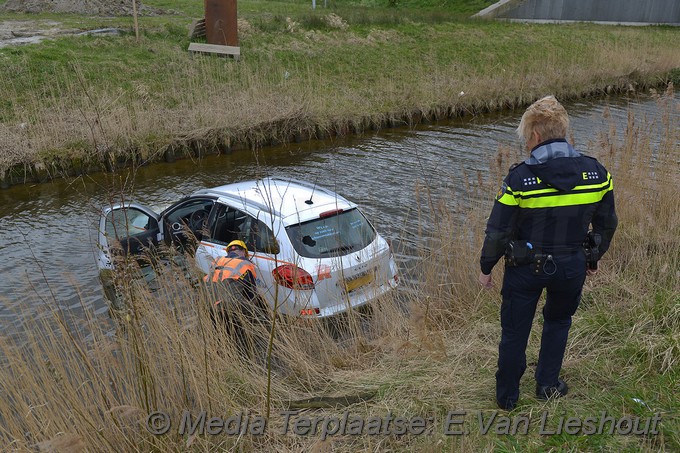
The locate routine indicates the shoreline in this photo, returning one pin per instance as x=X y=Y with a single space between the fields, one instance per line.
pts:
x=228 y=140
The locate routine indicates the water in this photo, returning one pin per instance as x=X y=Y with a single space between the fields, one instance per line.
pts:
x=48 y=231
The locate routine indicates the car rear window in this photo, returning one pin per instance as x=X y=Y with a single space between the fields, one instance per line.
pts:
x=335 y=235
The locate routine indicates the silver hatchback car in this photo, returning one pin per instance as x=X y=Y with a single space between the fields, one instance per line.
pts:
x=316 y=254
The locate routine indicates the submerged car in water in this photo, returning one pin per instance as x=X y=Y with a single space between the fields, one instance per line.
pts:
x=315 y=252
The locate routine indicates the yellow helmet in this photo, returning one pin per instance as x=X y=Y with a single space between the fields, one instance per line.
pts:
x=238 y=243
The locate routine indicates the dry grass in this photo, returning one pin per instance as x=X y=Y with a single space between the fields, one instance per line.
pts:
x=88 y=384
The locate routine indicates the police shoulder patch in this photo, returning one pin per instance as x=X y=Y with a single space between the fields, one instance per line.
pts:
x=501 y=191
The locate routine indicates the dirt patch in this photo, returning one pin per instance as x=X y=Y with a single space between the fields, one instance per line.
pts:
x=18 y=32
x=86 y=7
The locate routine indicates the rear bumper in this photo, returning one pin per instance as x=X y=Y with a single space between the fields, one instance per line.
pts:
x=358 y=298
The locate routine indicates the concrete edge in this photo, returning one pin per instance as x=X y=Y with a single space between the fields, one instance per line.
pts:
x=497 y=8
x=501 y=7
x=597 y=22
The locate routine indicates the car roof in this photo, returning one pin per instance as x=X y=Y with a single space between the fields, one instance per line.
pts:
x=282 y=197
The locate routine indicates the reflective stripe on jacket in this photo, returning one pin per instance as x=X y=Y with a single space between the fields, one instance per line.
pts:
x=234 y=268
x=553 y=198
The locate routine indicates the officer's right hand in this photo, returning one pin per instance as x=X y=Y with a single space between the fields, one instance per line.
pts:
x=485 y=280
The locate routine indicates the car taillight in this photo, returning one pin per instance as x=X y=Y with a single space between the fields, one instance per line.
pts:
x=310 y=311
x=293 y=277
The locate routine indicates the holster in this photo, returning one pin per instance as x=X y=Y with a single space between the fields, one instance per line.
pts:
x=591 y=246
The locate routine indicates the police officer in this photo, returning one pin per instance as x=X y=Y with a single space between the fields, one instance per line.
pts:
x=540 y=220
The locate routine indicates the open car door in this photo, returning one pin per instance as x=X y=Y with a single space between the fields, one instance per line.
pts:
x=128 y=229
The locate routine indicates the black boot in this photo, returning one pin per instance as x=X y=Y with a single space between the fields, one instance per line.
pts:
x=545 y=392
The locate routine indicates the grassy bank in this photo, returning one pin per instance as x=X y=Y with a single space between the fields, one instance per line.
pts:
x=80 y=104
x=66 y=389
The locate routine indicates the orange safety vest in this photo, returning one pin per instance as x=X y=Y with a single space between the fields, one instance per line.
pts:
x=226 y=268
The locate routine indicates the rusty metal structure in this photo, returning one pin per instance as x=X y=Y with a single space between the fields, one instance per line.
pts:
x=221 y=24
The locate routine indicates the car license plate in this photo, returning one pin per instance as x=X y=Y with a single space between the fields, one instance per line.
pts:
x=361 y=280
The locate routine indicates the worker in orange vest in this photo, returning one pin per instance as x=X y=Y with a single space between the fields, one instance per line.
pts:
x=235 y=268
x=232 y=280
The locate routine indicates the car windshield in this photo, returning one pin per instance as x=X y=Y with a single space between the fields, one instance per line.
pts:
x=335 y=235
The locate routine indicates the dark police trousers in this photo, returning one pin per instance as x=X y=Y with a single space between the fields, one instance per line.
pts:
x=521 y=290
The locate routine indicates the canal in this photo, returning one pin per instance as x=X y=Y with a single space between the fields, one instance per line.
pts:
x=48 y=231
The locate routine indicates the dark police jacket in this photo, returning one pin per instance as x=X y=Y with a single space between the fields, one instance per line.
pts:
x=550 y=200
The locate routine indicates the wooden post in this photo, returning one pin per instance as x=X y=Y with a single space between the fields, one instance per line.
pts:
x=134 y=14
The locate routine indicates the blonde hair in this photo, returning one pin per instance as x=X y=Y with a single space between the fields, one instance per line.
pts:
x=545 y=116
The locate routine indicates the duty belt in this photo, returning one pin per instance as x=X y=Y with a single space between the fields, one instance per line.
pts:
x=520 y=253
x=557 y=249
